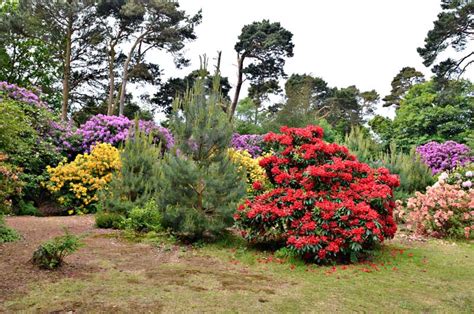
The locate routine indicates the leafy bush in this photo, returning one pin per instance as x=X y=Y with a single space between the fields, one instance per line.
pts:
x=444 y=156
x=30 y=136
x=325 y=205
x=10 y=184
x=27 y=209
x=7 y=234
x=199 y=184
x=138 y=179
x=144 y=219
x=76 y=184
x=51 y=254
x=443 y=211
x=108 y=220
x=249 y=167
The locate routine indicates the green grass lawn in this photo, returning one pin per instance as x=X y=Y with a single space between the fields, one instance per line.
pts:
x=433 y=276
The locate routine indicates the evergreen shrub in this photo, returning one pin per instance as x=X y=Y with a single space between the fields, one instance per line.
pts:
x=200 y=186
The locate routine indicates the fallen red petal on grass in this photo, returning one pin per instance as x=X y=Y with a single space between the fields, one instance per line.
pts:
x=394 y=268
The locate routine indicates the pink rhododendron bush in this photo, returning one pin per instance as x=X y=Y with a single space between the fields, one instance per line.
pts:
x=445 y=210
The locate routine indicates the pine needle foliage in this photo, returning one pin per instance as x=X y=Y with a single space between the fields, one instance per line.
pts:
x=138 y=180
x=200 y=186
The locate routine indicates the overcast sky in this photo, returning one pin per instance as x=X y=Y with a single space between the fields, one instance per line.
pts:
x=346 y=42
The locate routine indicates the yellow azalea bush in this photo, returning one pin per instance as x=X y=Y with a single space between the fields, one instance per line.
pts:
x=76 y=184
x=250 y=166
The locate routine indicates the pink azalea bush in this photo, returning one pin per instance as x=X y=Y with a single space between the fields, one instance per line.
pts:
x=445 y=210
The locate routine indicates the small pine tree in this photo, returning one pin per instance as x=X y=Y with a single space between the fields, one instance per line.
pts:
x=137 y=181
x=200 y=185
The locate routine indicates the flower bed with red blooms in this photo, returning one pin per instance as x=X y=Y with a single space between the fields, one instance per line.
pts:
x=325 y=204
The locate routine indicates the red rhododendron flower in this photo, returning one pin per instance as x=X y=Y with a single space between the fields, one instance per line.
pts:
x=325 y=204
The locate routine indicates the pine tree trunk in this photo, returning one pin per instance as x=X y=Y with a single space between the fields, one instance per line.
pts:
x=123 y=90
x=67 y=65
x=110 y=105
x=238 y=87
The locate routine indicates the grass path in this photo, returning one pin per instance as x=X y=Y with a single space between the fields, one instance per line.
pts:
x=111 y=274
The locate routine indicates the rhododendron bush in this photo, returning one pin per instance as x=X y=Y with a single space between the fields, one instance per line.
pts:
x=445 y=210
x=325 y=204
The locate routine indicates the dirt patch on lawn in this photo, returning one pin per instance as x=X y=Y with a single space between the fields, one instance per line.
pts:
x=99 y=253
x=105 y=253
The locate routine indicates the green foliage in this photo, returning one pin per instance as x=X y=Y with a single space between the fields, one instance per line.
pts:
x=309 y=100
x=27 y=208
x=177 y=87
x=108 y=220
x=144 y=219
x=27 y=58
x=430 y=112
x=138 y=180
x=453 y=28
x=266 y=44
x=51 y=254
x=401 y=83
x=359 y=142
x=199 y=184
x=25 y=137
x=7 y=234
x=414 y=174
x=249 y=117
x=382 y=126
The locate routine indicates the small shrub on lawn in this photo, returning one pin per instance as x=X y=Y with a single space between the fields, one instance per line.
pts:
x=7 y=234
x=108 y=220
x=144 y=219
x=325 y=205
x=51 y=254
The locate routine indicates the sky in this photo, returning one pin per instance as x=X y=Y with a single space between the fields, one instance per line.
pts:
x=345 y=42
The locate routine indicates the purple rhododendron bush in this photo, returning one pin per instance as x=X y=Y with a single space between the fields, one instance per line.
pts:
x=114 y=130
x=444 y=156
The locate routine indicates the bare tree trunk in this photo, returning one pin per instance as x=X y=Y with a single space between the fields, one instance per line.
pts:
x=110 y=105
x=238 y=87
x=123 y=90
x=67 y=66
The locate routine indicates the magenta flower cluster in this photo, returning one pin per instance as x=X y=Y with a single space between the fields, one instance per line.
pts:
x=115 y=130
x=249 y=142
x=15 y=92
x=444 y=156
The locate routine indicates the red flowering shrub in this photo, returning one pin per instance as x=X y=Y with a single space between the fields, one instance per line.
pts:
x=325 y=204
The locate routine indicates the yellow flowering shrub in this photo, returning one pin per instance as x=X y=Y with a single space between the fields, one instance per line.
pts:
x=76 y=183
x=250 y=166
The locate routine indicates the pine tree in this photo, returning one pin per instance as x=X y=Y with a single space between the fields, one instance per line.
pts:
x=138 y=180
x=199 y=185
